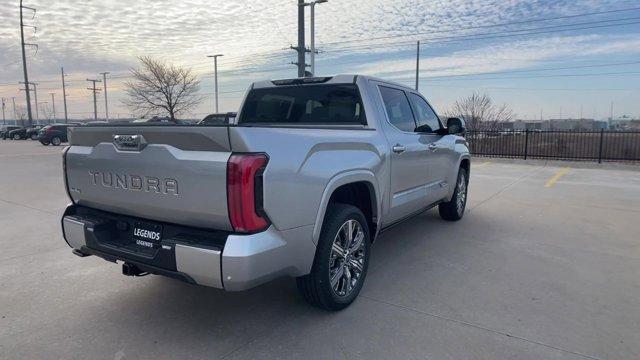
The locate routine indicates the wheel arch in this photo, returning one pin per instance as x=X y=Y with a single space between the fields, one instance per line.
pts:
x=358 y=188
x=464 y=161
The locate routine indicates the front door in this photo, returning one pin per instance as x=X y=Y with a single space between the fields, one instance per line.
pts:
x=409 y=161
x=438 y=148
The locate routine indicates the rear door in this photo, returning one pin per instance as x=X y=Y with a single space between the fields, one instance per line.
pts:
x=408 y=161
x=171 y=173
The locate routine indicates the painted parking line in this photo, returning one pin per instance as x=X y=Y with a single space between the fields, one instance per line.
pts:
x=31 y=154
x=557 y=177
x=483 y=164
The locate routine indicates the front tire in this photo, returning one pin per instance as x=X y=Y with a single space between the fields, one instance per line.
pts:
x=453 y=210
x=34 y=137
x=16 y=137
x=341 y=261
x=55 y=141
x=45 y=143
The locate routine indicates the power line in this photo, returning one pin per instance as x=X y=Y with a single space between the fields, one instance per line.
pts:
x=434 y=78
x=493 y=35
x=486 y=26
x=535 y=70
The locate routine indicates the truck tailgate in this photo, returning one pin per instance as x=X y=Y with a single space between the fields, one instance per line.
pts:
x=168 y=173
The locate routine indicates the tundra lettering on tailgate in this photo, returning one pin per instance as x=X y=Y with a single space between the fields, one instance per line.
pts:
x=124 y=181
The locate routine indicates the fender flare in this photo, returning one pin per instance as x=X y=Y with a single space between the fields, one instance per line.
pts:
x=341 y=179
x=454 y=176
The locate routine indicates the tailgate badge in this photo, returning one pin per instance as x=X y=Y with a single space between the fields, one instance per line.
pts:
x=129 y=142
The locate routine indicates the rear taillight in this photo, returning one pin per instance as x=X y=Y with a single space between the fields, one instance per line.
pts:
x=244 y=192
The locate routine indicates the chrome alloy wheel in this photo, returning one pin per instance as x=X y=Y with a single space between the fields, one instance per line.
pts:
x=346 y=262
x=462 y=193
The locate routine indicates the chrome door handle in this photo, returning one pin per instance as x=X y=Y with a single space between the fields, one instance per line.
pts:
x=399 y=149
x=432 y=147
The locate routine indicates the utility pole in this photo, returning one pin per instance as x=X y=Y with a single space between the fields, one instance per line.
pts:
x=35 y=91
x=313 y=32
x=24 y=60
x=417 y=64
x=301 y=49
x=4 y=119
x=106 y=102
x=53 y=105
x=215 y=77
x=95 y=99
x=64 y=97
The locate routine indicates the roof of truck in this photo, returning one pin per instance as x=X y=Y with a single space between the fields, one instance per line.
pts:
x=333 y=79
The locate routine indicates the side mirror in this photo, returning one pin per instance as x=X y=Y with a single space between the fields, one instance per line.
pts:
x=455 y=125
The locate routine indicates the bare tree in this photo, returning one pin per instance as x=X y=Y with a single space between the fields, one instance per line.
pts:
x=21 y=114
x=479 y=111
x=162 y=89
x=47 y=112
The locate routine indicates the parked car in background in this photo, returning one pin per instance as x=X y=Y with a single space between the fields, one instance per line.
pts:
x=218 y=119
x=160 y=120
x=24 y=132
x=300 y=185
x=32 y=132
x=54 y=134
x=4 y=132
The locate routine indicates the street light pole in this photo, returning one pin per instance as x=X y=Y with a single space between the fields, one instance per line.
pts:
x=53 y=105
x=15 y=116
x=215 y=76
x=64 y=97
x=417 y=65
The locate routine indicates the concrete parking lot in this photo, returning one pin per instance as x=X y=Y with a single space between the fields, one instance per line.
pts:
x=545 y=265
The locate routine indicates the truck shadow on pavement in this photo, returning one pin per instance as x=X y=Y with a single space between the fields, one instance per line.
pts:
x=212 y=322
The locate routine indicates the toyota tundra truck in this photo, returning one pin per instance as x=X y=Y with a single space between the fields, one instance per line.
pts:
x=302 y=182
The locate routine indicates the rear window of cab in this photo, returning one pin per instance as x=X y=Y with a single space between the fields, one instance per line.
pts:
x=330 y=104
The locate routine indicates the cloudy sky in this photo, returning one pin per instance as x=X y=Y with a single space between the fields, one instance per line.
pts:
x=555 y=57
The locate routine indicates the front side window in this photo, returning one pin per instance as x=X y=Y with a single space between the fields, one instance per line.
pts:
x=425 y=116
x=331 y=104
x=398 y=109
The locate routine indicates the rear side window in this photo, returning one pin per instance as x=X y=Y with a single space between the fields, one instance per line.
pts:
x=306 y=104
x=398 y=109
x=425 y=116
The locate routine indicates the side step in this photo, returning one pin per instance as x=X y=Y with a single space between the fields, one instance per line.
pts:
x=79 y=253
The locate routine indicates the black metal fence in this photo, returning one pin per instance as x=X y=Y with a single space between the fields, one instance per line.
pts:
x=600 y=145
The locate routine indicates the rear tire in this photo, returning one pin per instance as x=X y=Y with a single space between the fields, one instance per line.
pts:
x=55 y=141
x=34 y=137
x=45 y=143
x=17 y=137
x=453 y=210
x=340 y=265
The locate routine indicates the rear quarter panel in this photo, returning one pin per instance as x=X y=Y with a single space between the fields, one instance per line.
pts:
x=305 y=162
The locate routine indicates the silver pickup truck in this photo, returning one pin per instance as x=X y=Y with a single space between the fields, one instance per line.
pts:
x=300 y=185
